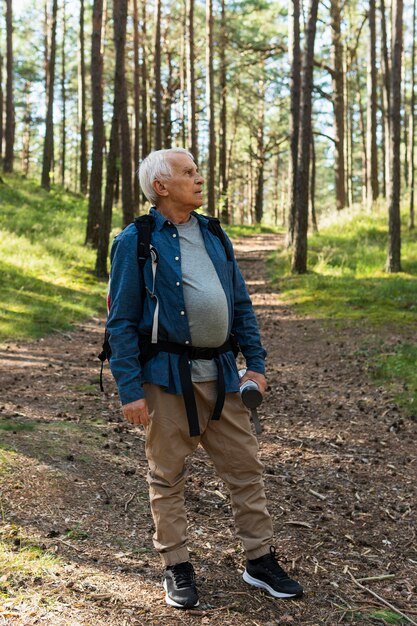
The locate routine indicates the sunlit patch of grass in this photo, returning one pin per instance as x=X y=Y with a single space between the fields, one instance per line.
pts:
x=12 y=425
x=398 y=368
x=46 y=273
x=246 y=230
x=20 y=555
x=347 y=283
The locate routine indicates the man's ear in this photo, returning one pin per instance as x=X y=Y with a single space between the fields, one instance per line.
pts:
x=159 y=188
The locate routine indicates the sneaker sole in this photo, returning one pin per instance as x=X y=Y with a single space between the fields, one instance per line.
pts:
x=262 y=585
x=176 y=605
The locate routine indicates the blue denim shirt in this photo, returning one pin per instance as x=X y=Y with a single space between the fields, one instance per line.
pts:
x=132 y=309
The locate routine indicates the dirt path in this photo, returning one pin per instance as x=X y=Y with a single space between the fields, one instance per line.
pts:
x=340 y=476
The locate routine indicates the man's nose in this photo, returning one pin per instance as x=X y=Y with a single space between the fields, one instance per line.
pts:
x=199 y=179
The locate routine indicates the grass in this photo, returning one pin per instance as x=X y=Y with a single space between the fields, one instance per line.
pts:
x=46 y=277
x=347 y=283
x=346 y=278
x=245 y=230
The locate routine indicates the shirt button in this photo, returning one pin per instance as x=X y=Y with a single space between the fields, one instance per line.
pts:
x=177 y=258
x=187 y=342
x=177 y=284
x=182 y=312
x=174 y=234
x=169 y=223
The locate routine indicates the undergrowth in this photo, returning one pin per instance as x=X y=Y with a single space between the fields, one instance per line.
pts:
x=46 y=276
x=347 y=283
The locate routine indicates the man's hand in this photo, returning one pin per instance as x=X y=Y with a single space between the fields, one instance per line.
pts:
x=137 y=412
x=259 y=379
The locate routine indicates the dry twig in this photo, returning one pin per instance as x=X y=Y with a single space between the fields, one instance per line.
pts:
x=388 y=604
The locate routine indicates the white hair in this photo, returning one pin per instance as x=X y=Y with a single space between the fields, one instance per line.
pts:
x=156 y=166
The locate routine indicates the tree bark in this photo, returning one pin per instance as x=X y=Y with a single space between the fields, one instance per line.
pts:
x=144 y=83
x=338 y=103
x=260 y=152
x=313 y=186
x=27 y=120
x=223 y=120
x=121 y=89
x=96 y=176
x=1 y=107
x=411 y=160
x=295 y=86
x=386 y=75
x=211 y=197
x=136 y=106
x=394 y=228
x=82 y=105
x=10 y=117
x=299 y=259
x=157 y=76
x=63 y=96
x=190 y=70
x=48 y=146
x=372 y=154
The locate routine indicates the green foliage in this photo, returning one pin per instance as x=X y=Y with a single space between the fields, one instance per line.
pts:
x=398 y=367
x=388 y=616
x=244 y=230
x=11 y=425
x=76 y=533
x=347 y=283
x=46 y=280
x=347 y=280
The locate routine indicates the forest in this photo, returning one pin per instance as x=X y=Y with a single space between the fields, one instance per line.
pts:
x=292 y=111
x=301 y=118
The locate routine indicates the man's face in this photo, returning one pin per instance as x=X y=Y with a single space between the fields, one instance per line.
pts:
x=184 y=188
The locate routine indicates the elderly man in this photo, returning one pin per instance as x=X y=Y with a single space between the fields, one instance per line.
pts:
x=174 y=323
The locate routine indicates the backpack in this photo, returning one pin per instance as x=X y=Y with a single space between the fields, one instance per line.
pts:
x=144 y=225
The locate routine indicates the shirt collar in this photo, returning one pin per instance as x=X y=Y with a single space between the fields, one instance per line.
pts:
x=160 y=220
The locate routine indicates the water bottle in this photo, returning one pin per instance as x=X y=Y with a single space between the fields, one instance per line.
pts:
x=249 y=391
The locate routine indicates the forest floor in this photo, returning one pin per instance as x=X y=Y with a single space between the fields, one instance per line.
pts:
x=340 y=473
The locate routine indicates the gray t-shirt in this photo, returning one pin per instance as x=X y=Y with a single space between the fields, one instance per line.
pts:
x=205 y=300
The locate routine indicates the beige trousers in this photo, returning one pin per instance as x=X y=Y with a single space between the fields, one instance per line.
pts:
x=233 y=449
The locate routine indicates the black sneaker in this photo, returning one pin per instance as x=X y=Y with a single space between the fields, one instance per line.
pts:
x=179 y=584
x=267 y=574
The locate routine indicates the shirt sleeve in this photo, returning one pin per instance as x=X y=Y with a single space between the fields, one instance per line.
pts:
x=245 y=325
x=125 y=312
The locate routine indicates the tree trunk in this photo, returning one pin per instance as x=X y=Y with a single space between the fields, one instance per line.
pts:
x=121 y=89
x=10 y=117
x=82 y=105
x=394 y=230
x=190 y=65
x=157 y=76
x=372 y=154
x=183 y=78
x=405 y=120
x=386 y=74
x=411 y=177
x=338 y=103
x=27 y=120
x=144 y=82
x=313 y=186
x=136 y=106
x=111 y=175
x=48 y=146
x=168 y=93
x=96 y=176
x=363 y=137
x=223 y=121
x=260 y=152
x=63 y=96
x=1 y=107
x=211 y=180
x=299 y=259
x=295 y=86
